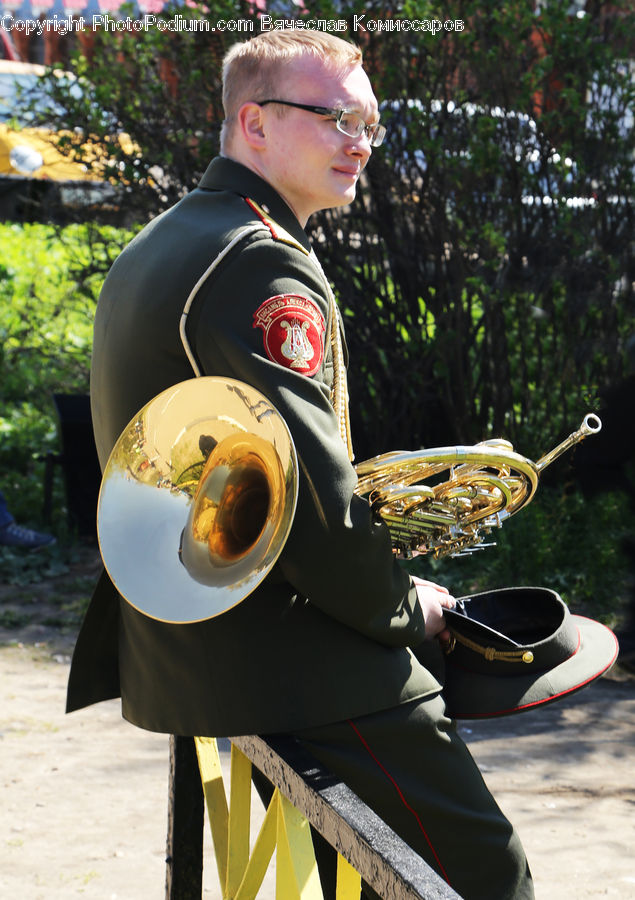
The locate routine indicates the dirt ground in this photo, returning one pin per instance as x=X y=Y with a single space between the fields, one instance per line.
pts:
x=84 y=796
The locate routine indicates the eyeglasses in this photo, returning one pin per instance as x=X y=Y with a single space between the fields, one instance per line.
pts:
x=346 y=121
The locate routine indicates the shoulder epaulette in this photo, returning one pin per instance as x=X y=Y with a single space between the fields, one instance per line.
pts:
x=278 y=233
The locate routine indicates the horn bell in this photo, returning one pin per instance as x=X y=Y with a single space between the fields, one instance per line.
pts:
x=197 y=499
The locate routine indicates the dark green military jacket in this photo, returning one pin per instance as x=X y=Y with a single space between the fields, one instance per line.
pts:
x=326 y=636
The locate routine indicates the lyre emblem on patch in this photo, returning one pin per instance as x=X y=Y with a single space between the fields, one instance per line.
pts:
x=292 y=328
x=297 y=346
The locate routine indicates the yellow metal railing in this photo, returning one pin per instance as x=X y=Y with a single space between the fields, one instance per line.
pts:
x=242 y=868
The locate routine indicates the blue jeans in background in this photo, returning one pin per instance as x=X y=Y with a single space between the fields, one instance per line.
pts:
x=5 y=516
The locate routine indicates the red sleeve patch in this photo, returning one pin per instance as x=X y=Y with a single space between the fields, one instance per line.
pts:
x=292 y=332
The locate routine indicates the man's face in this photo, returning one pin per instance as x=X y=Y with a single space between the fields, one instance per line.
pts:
x=309 y=162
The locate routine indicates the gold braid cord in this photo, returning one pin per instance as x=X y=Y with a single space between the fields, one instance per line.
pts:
x=339 y=392
x=489 y=653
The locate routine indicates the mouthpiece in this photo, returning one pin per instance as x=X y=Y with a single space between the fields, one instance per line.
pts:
x=591 y=424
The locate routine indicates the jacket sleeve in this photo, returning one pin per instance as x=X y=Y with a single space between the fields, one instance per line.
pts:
x=338 y=555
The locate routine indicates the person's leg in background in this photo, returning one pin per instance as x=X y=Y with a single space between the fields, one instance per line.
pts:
x=14 y=535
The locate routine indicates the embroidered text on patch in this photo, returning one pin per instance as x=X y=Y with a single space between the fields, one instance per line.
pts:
x=292 y=328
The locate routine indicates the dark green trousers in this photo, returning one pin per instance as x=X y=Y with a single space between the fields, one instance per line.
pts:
x=411 y=767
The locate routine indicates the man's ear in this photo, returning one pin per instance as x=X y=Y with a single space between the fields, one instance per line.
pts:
x=251 y=125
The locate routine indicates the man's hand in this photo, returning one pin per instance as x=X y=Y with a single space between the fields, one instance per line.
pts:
x=433 y=599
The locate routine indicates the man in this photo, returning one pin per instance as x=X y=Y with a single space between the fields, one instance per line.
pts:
x=322 y=649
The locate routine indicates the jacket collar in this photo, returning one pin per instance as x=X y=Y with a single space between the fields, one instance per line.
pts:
x=225 y=174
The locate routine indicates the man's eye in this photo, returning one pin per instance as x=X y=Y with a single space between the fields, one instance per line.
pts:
x=350 y=122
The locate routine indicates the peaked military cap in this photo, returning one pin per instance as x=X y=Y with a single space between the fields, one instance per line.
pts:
x=514 y=649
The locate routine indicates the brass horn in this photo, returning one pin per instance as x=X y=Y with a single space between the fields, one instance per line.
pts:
x=485 y=485
x=201 y=487
x=197 y=499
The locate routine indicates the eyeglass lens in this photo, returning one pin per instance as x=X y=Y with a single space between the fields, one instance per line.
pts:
x=353 y=125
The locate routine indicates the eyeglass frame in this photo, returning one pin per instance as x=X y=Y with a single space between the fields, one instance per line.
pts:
x=376 y=130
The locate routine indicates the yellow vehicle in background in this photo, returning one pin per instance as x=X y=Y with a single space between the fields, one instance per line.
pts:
x=36 y=170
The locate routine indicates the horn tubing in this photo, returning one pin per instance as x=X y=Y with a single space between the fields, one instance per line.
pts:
x=591 y=424
x=486 y=484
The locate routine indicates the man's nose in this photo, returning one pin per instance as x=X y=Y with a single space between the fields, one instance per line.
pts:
x=360 y=148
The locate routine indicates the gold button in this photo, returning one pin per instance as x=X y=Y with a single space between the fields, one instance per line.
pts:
x=528 y=656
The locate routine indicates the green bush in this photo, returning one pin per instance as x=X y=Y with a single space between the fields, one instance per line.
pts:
x=46 y=315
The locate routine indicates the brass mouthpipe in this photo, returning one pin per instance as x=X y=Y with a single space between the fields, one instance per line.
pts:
x=591 y=424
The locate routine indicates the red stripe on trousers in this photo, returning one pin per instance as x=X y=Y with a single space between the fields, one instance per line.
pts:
x=402 y=798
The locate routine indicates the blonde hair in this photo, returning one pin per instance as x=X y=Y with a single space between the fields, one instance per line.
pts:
x=252 y=69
